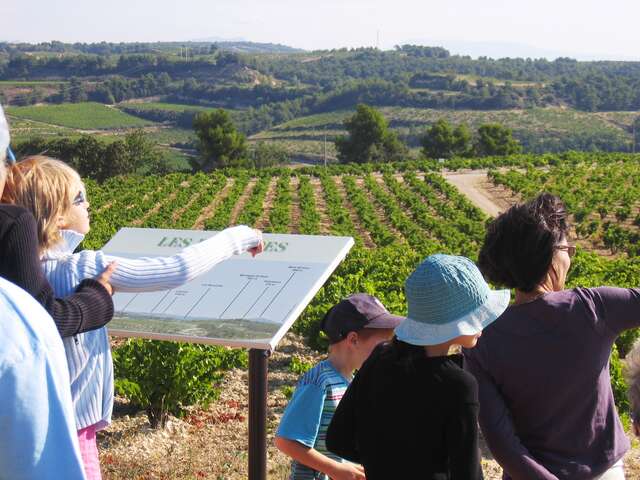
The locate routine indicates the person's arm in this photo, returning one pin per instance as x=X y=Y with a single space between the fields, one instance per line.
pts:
x=298 y=430
x=38 y=437
x=163 y=273
x=341 y=435
x=498 y=429
x=89 y=308
x=317 y=461
x=615 y=309
x=462 y=442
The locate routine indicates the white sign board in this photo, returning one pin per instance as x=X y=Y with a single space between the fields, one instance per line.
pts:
x=241 y=302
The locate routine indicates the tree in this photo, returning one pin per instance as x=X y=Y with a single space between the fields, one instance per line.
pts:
x=496 y=139
x=369 y=139
x=266 y=154
x=635 y=133
x=462 y=144
x=438 y=140
x=76 y=91
x=443 y=141
x=219 y=142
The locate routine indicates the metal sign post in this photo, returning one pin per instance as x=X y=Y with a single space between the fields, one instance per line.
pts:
x=258 y=368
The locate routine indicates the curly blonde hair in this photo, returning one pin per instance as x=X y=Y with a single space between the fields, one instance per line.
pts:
x=45 y=187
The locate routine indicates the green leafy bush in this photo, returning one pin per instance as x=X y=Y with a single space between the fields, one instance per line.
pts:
x=287 y=391
x=299 y=366
x=618 y=382
x=166 y=377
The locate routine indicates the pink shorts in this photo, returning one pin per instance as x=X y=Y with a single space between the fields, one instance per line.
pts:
x=89 y=452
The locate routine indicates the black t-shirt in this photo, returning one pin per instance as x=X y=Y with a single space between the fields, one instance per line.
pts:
x=414 y=420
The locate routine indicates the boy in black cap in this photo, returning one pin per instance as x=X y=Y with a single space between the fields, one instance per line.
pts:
x=354 y=327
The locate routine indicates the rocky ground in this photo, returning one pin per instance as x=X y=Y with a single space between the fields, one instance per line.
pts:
x=212 y=443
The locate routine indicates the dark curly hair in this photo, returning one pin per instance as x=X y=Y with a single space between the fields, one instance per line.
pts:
x=519 y=244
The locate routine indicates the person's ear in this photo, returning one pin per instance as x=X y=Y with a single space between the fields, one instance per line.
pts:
x=352 y=338
x=61 y=222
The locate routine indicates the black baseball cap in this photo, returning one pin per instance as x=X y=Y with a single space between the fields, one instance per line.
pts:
x=354 y=313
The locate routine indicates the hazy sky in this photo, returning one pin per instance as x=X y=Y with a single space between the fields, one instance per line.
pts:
x=580 y=28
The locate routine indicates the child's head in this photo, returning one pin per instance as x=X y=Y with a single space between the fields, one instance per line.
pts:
x=449 y=303
x=53 y=192
x=359 y=323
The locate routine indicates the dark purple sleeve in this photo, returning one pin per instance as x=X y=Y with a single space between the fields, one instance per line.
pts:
x=613 y=310
x=89 y=308
x=497 y=426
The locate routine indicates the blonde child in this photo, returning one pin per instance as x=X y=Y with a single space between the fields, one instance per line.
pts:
x=354 y=327
x=55 y=195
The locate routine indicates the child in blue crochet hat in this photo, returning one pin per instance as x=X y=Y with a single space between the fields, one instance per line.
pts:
x=411 y=411
x=354 y=327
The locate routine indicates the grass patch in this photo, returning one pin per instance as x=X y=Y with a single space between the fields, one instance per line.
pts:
x=170 y=107
x=85 y=116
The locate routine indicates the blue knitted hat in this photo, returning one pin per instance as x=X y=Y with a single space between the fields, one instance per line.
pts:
x=447 y=297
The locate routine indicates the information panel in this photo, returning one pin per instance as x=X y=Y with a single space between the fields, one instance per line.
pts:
x=241 y=302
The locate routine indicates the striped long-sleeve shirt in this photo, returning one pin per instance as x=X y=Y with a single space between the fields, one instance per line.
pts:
x=89 y=354
x=309 y=412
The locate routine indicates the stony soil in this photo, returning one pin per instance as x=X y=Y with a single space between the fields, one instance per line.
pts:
x=212 y=443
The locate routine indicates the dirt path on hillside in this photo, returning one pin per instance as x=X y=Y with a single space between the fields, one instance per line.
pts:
x=263 y=222
x=362 y=232
x=478 y=189
x=296 y=212
x=321 y=205
x=237 y=209
x=209 y=210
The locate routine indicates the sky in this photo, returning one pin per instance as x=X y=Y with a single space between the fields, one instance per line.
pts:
x=583 y=29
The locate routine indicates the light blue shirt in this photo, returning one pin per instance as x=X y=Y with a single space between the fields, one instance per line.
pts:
x=38 y=439
x=309 y=413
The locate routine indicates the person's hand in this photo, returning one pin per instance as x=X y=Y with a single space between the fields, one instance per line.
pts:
x=258 y=248
x=105 y=276
x=348 y=471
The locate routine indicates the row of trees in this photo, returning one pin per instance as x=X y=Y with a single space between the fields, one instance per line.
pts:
x=443 y=140
x=590 y=86
x=99 y=160
x=368 y=140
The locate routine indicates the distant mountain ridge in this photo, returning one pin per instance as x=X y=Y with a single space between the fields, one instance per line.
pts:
x=244 y=46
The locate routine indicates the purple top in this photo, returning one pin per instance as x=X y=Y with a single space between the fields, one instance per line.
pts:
x=546 y=404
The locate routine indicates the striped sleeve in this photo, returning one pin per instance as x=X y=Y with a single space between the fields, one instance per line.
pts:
x=162 y=273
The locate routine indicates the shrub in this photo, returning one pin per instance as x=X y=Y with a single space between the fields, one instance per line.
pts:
x=618 y=382
x=626 y=340
x=166 y=377
x=299 y=366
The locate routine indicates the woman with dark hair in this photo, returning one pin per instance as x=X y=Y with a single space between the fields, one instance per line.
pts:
x=546 y=404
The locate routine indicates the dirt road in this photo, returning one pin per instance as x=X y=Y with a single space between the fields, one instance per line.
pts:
x=476 y=187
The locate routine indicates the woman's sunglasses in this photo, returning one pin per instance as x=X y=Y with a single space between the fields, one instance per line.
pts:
x=571 y=249
x=81 y=197
x=11 y=158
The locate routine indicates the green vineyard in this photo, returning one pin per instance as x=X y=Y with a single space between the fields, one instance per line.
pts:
x=398 y=214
